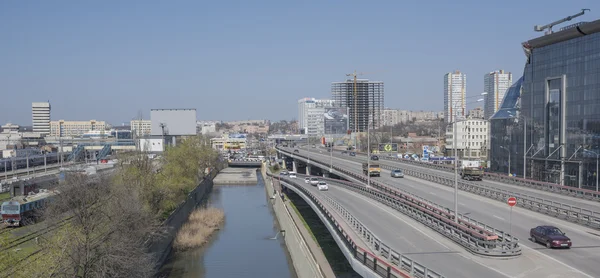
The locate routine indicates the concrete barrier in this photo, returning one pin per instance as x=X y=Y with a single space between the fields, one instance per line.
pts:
x=308 y=259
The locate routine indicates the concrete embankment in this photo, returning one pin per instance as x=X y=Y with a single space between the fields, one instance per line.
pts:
x=162 y=246
x=237 y=176
x=307 y=257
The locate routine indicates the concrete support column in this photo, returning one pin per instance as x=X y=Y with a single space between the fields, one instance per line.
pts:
x=294 y=166
x=307 y=169
x=325 y=175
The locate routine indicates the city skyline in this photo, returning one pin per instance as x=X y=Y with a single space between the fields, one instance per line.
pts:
x=88 y=59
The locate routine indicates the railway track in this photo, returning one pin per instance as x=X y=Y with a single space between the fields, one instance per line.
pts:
x=31 y=236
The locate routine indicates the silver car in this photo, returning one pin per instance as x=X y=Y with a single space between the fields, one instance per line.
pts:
x=397 y=173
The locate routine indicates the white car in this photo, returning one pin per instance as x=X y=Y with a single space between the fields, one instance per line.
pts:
x=292 y=175
x=322 y=186
x=314 y=181
x=307 y=180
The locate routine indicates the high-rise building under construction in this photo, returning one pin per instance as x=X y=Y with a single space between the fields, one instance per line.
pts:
x=366 y=106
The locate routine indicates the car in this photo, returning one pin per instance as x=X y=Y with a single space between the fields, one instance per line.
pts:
x=296 y=151
x=322 y=186
x=314 y=181
x=352 y=154
x=284 y=173
x=344 y=152
x=292 y=175
x=374 y=157
x=307 y=180
x=397 y=173
x=551 y=236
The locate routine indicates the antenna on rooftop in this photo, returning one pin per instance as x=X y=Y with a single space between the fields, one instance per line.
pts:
x=538 y=28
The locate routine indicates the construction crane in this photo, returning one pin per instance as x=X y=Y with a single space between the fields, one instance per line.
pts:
x=538 y=28
x=354 y=75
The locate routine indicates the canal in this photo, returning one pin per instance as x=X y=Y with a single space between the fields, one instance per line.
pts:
x=248 y=244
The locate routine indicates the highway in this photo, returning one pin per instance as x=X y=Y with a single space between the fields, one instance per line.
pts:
x=573 y=201
x=580 y=261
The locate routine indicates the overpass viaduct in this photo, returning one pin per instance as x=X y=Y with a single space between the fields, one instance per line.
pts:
x=575 y=213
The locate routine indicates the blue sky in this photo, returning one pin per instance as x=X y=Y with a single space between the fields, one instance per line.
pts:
x=236 y=60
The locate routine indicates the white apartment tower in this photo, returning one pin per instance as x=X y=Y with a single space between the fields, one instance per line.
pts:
x=495 y=84
x=40 y=114
x=311 y=115
x=455 y=92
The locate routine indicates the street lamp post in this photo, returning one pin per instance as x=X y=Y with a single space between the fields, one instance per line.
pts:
x=454 y=143
x=368 y=154
x=597 y=160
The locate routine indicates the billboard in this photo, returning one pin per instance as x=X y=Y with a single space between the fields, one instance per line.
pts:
x=336 y=120
x=387 y=147
x=173 y=121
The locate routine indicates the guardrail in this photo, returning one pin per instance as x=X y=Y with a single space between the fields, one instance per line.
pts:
x=544 y=186
x=574 y=214
x=475 y=236
x=365 y=257
x=559 y=210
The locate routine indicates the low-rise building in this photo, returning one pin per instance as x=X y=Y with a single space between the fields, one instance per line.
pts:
x=64 y=128
x=206 y=127
x=476 y=113
x=141 y=128
x=471 y=139
x=229 y=142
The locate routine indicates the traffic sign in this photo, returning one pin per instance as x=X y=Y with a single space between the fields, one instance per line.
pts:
x=388 y=148
x=512 y=201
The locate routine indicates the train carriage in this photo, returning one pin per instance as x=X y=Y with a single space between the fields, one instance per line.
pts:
x=19 y=210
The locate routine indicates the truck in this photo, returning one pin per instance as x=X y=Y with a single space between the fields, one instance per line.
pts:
x=471 y=170
x=372 y=170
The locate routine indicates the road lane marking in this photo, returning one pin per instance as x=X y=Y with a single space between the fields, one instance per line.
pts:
x=385 y=209
x=432 y=193
x=557 y=261
x=496 y=216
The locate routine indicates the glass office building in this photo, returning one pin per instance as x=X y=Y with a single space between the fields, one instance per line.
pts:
x=552 y=114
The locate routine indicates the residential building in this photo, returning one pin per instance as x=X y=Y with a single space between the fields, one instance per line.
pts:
x=394 y=117
x=366 y=107
x=311 y=115
x=495 y=85
x=249 y=126
x=455 y=92
x=40 y=114
x=472 y=139
x=141 y=128
x=550 y=117
x=8 y=127
x=206 y=127
x=476 y=113
x=64 y=128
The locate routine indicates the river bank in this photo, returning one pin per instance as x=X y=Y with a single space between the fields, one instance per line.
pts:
x=247 y=245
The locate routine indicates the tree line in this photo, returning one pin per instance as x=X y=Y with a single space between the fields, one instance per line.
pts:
x=101 y=225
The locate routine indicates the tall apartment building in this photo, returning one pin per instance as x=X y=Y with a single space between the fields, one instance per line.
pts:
x=455 y=92
x=141 y=128
x=40 y=114
x=64 y=128
x=495 y=84
x=311 y=115
x=367 y=106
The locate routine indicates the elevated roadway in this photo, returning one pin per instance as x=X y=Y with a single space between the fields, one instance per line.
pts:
x=580 y=261
x=573 y=201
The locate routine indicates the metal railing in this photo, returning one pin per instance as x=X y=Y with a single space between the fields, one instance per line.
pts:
x=574 y=214
x=365 y=257
x=474 y=235
x=539 y=185
x=559 y=210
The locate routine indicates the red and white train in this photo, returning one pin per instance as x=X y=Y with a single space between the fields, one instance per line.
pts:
x=19 y=210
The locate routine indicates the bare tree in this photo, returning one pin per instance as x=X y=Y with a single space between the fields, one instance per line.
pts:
x=99 y=230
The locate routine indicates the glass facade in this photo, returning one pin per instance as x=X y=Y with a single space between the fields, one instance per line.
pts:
x=558 y=107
